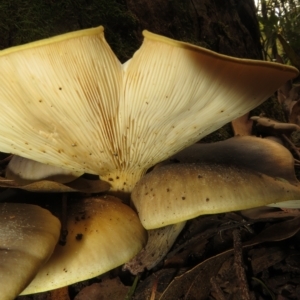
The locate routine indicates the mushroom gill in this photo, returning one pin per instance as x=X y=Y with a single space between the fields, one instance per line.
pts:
x=70 y=103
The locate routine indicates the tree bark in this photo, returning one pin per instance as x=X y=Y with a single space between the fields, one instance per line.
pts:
x=228 y=27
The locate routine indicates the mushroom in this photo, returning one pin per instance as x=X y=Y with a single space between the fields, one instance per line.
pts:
x=24 y=171
x=227 y=162
x=261 y=155
x=159 y=242
x=241 y=153
x=236 y=157
x=103 y=233
x=178 y=192
x=28 y=235
x=78 y=185
x=30 y=175
x=70 y=103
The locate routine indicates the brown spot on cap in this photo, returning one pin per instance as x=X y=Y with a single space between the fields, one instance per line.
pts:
x=79 y=236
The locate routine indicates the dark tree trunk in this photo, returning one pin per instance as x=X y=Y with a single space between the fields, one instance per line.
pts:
x=229 y=27
x=225 y=26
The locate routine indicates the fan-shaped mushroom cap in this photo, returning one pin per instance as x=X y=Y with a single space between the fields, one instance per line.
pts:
x=69 y=102
x=103 y=233
x=178 y=192
x=25 y=171
x=28 y=235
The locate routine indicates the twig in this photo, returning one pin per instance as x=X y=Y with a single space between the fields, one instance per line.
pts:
x=239 y=265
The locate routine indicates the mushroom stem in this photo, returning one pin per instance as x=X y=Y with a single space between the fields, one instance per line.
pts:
x=160 y=241
x=123 y=180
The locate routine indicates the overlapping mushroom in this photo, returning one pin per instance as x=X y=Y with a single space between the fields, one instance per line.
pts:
x=28 y=237
x=103 y=233
x=70 y=103
x=235 y=174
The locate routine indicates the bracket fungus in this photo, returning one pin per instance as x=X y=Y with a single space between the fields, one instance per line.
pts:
x=28 y=237
x=70 y=103
x=103 y=233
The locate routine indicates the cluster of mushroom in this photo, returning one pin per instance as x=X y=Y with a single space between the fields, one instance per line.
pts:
x=70 y=103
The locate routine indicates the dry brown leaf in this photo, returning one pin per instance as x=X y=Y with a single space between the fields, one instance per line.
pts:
x=265 y=212
x=107 y=290
x=242 y=125
x=195 y=283
x=277 y=232
x=155 y=284
x=263 y=258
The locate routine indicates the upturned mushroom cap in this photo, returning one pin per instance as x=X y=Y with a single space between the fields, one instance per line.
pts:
x=25 y=171
x=103 y=233
x=69 y=102
x=178 y=192
x=28 y=235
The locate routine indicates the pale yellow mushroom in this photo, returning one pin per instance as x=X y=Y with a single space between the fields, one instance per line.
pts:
x=26 y=174
x=70 y=103
x=261 y=155
x=25 y=171
x=178 y=192
x=234 y=174
x=28 y=235
x=159 y=242
x=103 y=233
